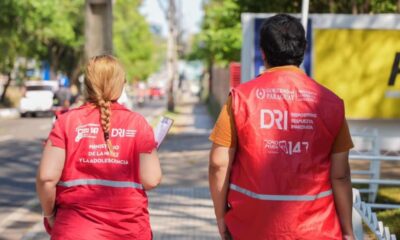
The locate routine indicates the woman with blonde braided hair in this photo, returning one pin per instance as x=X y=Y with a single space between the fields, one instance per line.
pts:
x=101 y=91
x=98 y=161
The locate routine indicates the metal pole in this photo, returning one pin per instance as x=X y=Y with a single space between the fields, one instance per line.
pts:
x=304 y=18
x=304 y=14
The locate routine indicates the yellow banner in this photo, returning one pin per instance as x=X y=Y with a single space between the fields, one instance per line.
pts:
x=356 y=65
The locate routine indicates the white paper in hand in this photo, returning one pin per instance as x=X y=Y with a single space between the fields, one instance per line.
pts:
x=162 y=129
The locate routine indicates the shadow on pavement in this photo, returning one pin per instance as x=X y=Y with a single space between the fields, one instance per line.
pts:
x=19 y=161
x=182 y=213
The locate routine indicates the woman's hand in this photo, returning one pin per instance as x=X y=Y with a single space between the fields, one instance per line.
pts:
x=51 y=220
x=48 y=175
x=223 y=230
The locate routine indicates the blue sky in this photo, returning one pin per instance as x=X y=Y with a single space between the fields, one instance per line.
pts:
x=192 y=14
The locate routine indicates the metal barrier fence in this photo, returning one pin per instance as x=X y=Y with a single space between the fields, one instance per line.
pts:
x=372 y=153
x=363 y=213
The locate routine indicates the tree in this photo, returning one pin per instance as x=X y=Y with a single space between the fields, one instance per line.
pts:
x=133 y=41
x=172 y=49
x=219 y=41
x=43 y=30
x=220 y=38
x=287 y=6
x=52 y=30
x=60 y=40
x=10 y=42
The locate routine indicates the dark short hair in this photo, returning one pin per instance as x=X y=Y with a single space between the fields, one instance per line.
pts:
x=283 y=41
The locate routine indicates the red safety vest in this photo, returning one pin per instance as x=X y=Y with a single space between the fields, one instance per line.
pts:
x=98 y=196
x=280 y=181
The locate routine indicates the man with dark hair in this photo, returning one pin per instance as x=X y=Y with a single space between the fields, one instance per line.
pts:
x=279 y=162
x=282 y=40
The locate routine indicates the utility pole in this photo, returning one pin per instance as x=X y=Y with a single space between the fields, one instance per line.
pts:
x=172 y=50
x=98 y=27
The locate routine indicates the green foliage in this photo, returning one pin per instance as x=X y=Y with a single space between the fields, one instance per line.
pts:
x=319 y=6
x=379 y=6
x=389 y=195
x=60 y=34
x=391 y=219
x=133 y=42
x=287 y=6
x=9 y=40
x=41 y=29
x=53 y=30
x=219 y=42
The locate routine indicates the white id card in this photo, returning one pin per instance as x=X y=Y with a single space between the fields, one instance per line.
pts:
x=161 y=130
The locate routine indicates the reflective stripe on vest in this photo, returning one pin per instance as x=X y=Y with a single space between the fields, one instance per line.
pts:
x=280 y=197
x=101 y=182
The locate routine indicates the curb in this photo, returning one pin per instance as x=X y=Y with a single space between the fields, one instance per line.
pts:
x=9 y=113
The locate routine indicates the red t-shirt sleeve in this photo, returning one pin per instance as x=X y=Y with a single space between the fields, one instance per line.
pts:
x=145 y=137
x=57 y=135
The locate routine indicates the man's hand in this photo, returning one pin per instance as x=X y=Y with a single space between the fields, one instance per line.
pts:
x=221 y=227
x=349 y=237
x=342 y=192
x=221 y=159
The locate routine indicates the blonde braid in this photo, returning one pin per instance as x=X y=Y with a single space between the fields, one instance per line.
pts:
x=104 y=82
x=105 y=119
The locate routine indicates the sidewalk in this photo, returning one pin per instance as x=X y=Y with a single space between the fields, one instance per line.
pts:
x=181 y=207
x=9 y=113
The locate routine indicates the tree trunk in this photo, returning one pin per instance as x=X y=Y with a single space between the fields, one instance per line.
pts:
x=3 y=95
x=171 y=100
x=354 y=8
x=76 y=71
x=398 y=6
x=55 y=55
x=172 y=54
x=366 y=6
x=210 y=76
x=332 y=6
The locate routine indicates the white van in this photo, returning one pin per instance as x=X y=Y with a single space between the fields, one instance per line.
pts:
x=38 y=97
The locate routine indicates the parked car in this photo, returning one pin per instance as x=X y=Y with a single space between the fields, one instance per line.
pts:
x=38 y=98
x=156 y=93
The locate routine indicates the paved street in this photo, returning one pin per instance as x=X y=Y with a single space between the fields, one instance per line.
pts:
x=20 y=150
x=21 y=142
x=179 y=209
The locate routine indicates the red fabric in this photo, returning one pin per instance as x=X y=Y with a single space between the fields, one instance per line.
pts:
x=57 y=135
x=46 y=225
x=286 y=125
x=94 y=211
x=234 y=74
